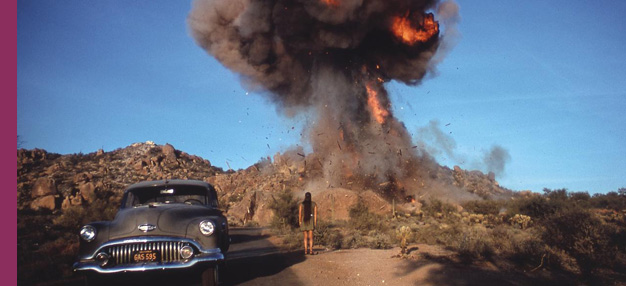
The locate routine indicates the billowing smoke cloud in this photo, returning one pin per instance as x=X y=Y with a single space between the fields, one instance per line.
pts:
x=495 y=160
x=432 y=140
x=332 y=57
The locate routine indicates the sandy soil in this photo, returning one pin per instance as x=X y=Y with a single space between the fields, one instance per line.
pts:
x=256 y=259
x=424 y=265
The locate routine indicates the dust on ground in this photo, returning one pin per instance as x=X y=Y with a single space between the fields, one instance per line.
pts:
x=424 y=265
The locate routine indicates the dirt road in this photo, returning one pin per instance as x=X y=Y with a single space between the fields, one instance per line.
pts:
x=255 y=260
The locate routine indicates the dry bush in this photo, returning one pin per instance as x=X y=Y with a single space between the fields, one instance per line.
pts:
x=438 y=208
x=483 y=207
x=291 y=239
x=378 y=240
x=328 y=235
x=75 y=217
x=475 y=242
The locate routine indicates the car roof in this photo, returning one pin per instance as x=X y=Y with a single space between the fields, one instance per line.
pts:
x=165 y=183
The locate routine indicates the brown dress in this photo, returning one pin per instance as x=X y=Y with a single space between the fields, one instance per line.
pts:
x=308 y=222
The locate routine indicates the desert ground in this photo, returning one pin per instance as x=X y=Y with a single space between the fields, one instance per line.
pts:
x=257 y=258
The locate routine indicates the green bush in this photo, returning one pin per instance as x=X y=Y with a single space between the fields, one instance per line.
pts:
x=537 y=207
x=363 y=220
x=285 y=209
x=583 y=236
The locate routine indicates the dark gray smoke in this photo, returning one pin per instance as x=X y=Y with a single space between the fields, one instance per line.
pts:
x=330 y=56
x=495 y=160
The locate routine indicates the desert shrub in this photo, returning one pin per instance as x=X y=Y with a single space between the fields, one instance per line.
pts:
x=583 y=236
x=363 y=220
x=292 y=239
x=354 y=239
x=611 y=200
x=235 y=198
x=378 y=240
x=537 y=207
x=285 y=209
x=328 y=235
x=558 y=194
x=403 y=235
x=483 y=207
x=580 y=199
x=475 y=242
x=435 y=208
x=444 y=234
x=525 y=248
x=75 y=217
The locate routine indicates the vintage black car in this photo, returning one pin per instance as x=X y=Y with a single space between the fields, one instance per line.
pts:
x=160 y=226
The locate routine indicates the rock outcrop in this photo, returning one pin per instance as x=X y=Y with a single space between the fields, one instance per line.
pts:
x=53 y=182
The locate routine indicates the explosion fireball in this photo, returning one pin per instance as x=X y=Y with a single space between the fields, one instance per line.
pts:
x=332 y=57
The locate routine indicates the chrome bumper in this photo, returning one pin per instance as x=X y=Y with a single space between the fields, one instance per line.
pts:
x=205 y=256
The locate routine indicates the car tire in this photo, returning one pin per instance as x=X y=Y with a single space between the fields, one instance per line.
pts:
x=210 y=276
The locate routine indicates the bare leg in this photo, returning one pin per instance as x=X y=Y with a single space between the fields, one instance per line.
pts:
x=310 y=241
x=305 y=242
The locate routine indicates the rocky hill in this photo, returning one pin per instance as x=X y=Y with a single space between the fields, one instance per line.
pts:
x=53 y=183
x=57 y=194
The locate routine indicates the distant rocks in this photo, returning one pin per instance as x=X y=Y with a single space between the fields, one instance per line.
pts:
x=43 y=187
x=43 y=194
x=43 y=203
x=51 y=182
x=54 y=183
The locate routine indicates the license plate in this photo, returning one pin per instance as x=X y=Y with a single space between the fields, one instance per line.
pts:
x=146 y=256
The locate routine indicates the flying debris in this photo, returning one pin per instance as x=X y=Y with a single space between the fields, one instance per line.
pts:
x=332 y=57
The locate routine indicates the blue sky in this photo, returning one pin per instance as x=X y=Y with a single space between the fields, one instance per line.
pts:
x=546 y=80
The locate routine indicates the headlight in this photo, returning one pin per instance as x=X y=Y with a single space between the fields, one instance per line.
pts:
x=88 y=233
x=186 y=252
x=207 y=227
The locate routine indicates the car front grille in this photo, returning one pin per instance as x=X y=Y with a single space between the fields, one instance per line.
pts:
x=170 y=251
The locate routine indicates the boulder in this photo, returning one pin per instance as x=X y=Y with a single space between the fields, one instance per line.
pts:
x=88 y=191
x=72 y=200
x=43 y=187
x=82 y=178
x=169 y=152
x=45 y=202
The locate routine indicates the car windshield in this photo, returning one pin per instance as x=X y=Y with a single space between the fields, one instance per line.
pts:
x=193 y=195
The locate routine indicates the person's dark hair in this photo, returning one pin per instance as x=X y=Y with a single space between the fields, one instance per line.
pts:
x=306 y=207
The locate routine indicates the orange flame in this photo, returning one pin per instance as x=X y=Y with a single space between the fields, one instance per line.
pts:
x=378 y=111
x=333 y=3
x=403 y=29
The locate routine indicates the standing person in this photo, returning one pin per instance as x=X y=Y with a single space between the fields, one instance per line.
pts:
x=307 y=219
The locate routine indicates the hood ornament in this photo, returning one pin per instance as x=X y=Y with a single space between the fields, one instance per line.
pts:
x=146 y=227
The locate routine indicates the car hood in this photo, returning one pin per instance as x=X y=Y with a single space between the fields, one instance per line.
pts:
x=166 y=219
